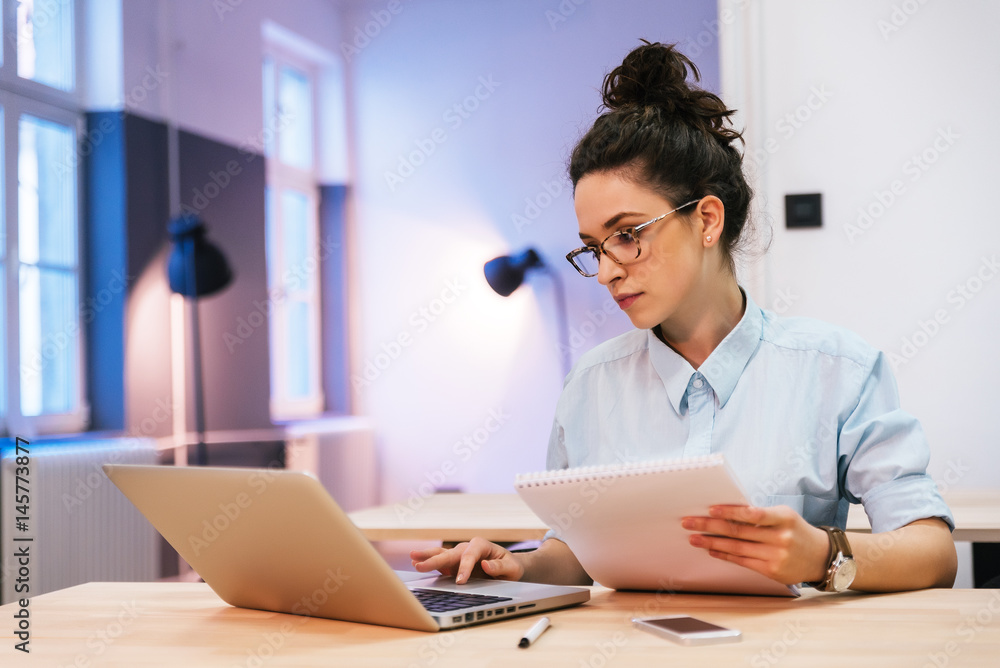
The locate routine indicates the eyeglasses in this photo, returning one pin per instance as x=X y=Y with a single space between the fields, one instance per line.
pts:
x=622 y=247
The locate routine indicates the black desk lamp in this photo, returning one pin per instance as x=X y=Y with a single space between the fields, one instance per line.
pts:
x=196 y=268
x=506 y=273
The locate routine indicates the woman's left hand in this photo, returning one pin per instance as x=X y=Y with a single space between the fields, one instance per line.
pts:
x=775 y=541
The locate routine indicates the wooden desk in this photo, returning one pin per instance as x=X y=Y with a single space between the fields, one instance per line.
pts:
x=505 y=518
x=181 y=624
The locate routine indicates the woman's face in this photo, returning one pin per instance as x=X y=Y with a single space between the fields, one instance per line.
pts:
x=658 y=286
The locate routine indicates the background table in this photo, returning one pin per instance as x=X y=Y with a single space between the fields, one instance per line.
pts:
x=182 y=624
x=976 y=512
x=506 y=518
x=452 y=518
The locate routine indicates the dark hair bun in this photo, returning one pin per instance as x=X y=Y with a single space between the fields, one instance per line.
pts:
x=655 y=75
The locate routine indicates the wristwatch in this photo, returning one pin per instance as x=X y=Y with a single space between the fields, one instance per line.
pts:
x=841 y=567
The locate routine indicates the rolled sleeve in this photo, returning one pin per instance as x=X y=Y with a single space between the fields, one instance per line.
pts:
x=899 y=502
x=883 y=455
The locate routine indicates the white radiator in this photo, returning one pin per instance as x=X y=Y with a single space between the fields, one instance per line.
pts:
x=83 y=528
x=340 y=451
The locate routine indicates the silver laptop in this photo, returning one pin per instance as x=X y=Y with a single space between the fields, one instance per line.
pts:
x=277 y=541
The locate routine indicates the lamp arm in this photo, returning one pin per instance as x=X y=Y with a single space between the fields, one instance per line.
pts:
x=561 y=315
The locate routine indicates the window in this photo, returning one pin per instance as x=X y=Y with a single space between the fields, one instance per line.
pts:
x=45 y=42
x=40 y=122
x=293 y=263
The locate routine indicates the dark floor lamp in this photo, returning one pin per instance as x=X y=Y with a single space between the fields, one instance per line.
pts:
x=196 y=268
x=506 y=273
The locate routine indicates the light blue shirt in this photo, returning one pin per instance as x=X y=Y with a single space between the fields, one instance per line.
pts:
x=806 y=414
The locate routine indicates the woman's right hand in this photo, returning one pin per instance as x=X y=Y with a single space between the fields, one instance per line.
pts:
x=477 y=556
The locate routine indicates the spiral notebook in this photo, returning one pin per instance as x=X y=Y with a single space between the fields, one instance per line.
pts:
x=623 y=522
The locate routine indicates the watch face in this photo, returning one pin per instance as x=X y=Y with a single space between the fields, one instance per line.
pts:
x=844 y=574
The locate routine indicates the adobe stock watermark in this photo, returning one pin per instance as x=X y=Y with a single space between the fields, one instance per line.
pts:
x=363 y=35
x=898 y=17
x=956 y=470
x=102 y=639
x=605 y=651
x=454 y=117
x=971 y=626
x=253 y=147
x=783 y=301
x=958 y=298
x=419 y=322
x=926 y=506
x=800 y=458
x=789 y=124
x=223 y=7
x=581 y=334
x=915 y=167
x=54 y=343
x=270 y=643
x=152 y=78
x=231 y=511
x=305 y=608
x=547 y=193
x=294 y=278
x=42 y=11
x=436 y=647
x=218 y=180
x=709 y=35
x=778 y=649
x=562 y=12
x=463 y=450
x=88 y=484
x=588 y=493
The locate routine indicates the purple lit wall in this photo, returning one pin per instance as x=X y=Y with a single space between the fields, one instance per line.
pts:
x=464 y=115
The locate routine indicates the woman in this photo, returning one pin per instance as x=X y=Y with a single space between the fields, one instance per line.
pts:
x=806 y=413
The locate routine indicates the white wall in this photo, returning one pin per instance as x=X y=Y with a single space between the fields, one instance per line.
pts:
x=900 y=80
x=477 y=366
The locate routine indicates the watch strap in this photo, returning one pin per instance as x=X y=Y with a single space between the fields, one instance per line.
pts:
x=838 y=545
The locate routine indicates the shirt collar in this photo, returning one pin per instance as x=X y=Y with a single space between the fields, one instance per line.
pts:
x=723 y=367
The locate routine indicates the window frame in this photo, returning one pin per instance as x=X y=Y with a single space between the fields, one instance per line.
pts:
x=71 y=100
x=279 y=177
x=19 y=97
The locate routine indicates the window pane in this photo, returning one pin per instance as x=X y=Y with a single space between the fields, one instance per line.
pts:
x=3 y=274
x=48 y=340
x=295 y=236
x=295 y=118
x=45 y=42
x=3 y=194
x=46 y=194
x=3 y=342
x=298 y=349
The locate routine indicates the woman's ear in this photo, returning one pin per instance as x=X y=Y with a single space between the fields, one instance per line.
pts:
x=712 y=216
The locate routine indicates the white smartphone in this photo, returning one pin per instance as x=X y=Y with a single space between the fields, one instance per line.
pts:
x=687 y=630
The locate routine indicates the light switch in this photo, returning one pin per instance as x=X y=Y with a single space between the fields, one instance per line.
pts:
x=804 y=210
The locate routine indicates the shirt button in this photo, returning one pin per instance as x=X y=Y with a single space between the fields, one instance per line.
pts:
x=698 y=383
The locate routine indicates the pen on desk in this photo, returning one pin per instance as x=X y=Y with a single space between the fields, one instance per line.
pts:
x=533 y=633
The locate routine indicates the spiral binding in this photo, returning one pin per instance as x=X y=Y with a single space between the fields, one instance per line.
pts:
x=621 y=470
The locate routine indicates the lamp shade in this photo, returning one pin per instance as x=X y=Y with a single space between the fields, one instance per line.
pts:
x=506 y=273
x=211 y=270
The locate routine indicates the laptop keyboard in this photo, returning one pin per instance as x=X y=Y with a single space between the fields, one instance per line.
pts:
x=443 y=601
